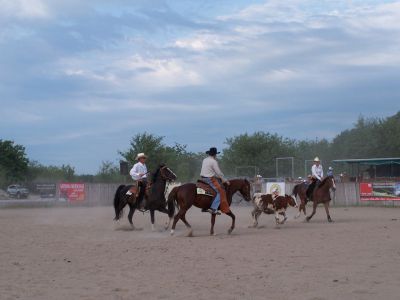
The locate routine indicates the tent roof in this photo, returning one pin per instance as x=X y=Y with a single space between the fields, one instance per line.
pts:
x=370 y=161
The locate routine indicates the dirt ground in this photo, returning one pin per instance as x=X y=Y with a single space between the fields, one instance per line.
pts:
x=79 y=253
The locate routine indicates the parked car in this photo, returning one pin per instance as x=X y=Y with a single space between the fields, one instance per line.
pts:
x=17 y=191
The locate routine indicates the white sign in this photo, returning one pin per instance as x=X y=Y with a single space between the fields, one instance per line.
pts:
x=276 y=188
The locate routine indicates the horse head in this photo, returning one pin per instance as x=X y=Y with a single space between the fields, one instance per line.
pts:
x=328 y=183
x=166 y=173
x=245 y=190
x=332 y=183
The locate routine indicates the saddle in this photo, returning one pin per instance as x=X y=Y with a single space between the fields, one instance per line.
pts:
x=203 y=188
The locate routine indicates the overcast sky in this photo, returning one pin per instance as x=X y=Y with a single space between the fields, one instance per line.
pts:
x=79 y=78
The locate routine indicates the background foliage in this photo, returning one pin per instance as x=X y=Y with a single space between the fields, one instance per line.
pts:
x=367 y=139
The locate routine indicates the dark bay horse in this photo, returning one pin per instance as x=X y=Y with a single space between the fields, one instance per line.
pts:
x=301 y=191
x=155 y=199
x=186 y=196
x=321 y=194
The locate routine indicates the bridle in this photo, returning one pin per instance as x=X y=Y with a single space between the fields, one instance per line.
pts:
x=166 y=178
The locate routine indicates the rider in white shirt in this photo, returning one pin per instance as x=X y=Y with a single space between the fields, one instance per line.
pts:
x=317 y=173
x=139 y=175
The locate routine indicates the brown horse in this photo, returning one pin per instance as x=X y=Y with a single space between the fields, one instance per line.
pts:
x=321 y=194
x=186 y=195
x=301 y=191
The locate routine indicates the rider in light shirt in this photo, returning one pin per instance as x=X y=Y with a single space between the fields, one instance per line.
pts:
x=139 y=175
x=211 y=174
x=317 y=173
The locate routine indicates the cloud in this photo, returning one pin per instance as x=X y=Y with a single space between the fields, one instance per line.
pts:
x=21 y=9
x=88 y=72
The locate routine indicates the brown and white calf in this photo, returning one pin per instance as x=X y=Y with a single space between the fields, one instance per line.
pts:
x=266 y=203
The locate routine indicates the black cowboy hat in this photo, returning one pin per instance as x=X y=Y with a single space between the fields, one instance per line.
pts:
x=212 y=151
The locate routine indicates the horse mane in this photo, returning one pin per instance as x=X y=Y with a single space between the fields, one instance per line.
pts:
x=157 y=172
x=324 y=181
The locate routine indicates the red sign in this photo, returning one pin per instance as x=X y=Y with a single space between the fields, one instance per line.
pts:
x=380 y=191
x=72 y=191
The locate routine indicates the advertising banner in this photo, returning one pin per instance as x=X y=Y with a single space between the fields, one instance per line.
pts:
x=72 y=191
x=276 y=188
x=380 y=191
x=46 y=190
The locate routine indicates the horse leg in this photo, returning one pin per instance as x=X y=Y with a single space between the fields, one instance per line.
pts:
x=152 y=220
x=212 y=224
x=190 y=232
x=326 y=204
x=130 y=215
x=182 y=211
x=165 y=211
x=233 y=222
x=313 y=212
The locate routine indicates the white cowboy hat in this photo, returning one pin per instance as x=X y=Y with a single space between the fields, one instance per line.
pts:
x=140 y=155
x=316 y=159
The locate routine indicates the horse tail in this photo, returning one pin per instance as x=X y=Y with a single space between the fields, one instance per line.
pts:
x=117 y=200
x=172 y=200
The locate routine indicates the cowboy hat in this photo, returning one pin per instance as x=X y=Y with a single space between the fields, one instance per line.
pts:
x=316 y=159
x=141 y=155
x=212 y=151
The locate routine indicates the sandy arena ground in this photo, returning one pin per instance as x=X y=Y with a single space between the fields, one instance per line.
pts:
x=79 y=253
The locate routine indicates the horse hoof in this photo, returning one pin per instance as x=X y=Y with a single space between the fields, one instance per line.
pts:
x=190 y=233
x=230 y=230
x=308 y=219
x=172 y=232
x=330 y=220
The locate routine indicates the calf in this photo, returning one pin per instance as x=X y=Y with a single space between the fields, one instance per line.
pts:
x=266 y=203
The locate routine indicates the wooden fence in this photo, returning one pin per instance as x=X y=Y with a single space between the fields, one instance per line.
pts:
x=102 y=194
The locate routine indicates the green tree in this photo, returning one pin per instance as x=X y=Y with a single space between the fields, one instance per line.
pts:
x=108 y=172
x=40 y=173
x=13 y=162
x=183 y=163
x=258 y=149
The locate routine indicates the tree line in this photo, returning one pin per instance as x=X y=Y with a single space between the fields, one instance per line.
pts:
x=244 y=154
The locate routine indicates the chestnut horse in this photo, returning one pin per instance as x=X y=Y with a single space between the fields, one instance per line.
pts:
x=321 y=194
x=186 y=195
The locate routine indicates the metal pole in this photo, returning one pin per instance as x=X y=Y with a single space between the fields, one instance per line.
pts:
x=276 y=167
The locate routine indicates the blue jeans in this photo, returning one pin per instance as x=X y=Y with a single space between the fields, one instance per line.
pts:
x=217 y=200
